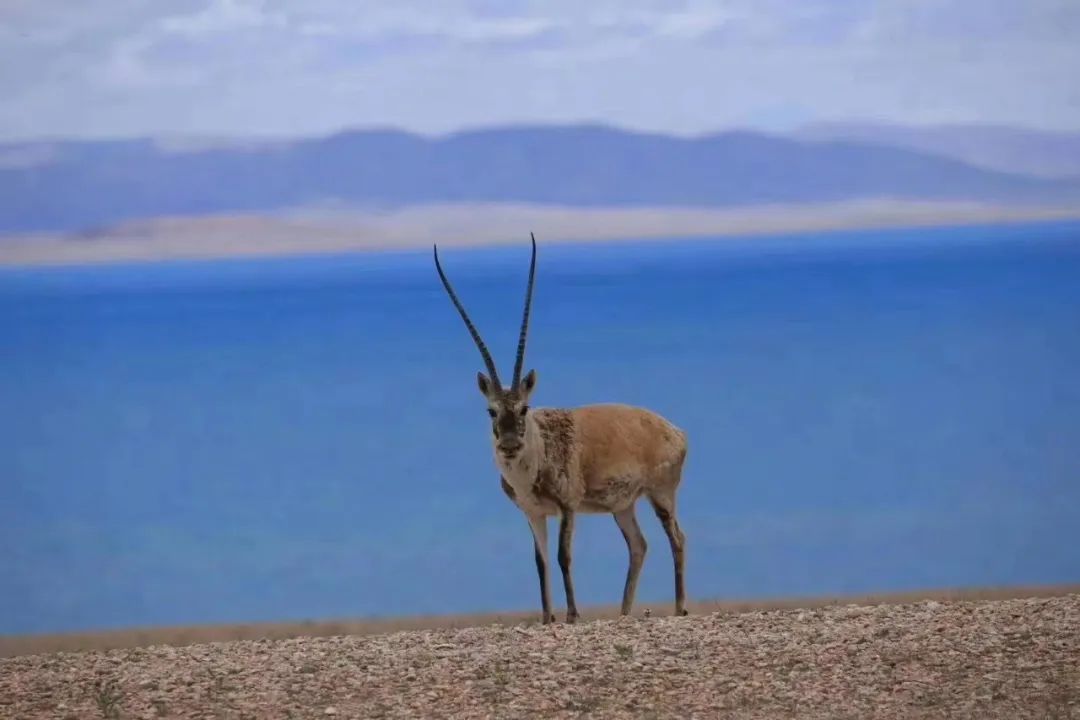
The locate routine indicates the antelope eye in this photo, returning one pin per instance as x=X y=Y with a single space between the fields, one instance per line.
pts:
x=524 y=409
x=491 y=412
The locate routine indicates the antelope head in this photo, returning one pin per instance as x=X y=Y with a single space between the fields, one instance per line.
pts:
x=507 y=407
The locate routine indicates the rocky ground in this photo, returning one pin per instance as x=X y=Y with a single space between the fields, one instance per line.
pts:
x=962 y=659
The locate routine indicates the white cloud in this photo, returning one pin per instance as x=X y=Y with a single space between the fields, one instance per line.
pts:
x=459 y=28
x=275 y=67
x=691 y=23
x=222 y=16
x=684 y=22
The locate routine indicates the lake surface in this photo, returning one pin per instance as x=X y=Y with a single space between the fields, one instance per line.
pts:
x=293 y=439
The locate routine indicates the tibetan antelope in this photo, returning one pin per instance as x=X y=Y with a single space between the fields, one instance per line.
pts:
x=589 y=459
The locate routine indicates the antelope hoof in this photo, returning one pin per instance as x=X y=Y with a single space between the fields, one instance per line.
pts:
x=548 y=619
x=681 y=612
x=571 y=617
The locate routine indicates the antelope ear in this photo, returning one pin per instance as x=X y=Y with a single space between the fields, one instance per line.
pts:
x=484 y=383
x=528 y=383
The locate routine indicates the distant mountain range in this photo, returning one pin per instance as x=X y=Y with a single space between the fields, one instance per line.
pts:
x=992 y=147
x=76 y=186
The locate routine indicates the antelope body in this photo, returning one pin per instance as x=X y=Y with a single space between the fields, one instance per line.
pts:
x=590 y=459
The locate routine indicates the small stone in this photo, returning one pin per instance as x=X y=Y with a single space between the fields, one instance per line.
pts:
x=330 y=711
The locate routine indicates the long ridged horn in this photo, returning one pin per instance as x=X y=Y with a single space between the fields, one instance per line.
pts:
x=520 y=360
x=468 y=323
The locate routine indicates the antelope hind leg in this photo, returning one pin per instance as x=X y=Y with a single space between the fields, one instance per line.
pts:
x=664 y=505
x=566 y=536
x=635 y=543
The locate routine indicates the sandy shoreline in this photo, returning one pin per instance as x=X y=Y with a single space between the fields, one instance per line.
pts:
x=327 y=231
x=957 y=658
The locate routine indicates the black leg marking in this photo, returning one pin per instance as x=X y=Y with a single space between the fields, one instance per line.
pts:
x=538 y=524
x=541 y=570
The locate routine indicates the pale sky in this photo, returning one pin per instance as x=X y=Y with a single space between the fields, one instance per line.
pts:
x=116 y=68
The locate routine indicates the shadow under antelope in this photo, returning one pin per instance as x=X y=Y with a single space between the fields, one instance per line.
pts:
x=591 y=459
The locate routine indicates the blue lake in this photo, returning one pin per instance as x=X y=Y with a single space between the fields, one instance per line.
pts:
x=300 y=439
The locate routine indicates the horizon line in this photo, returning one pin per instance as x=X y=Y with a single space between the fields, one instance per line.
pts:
x=580 y=124
x=14 y=645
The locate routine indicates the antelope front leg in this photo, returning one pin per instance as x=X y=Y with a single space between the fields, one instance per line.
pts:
x=566 y=537
x=538 y=524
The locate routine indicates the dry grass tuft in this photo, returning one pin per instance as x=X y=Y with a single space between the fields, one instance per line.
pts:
x=107 y=696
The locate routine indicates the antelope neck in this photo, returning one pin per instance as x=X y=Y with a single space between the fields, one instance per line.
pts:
x=520 y=471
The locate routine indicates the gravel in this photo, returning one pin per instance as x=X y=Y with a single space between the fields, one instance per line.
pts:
x=962 y=659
